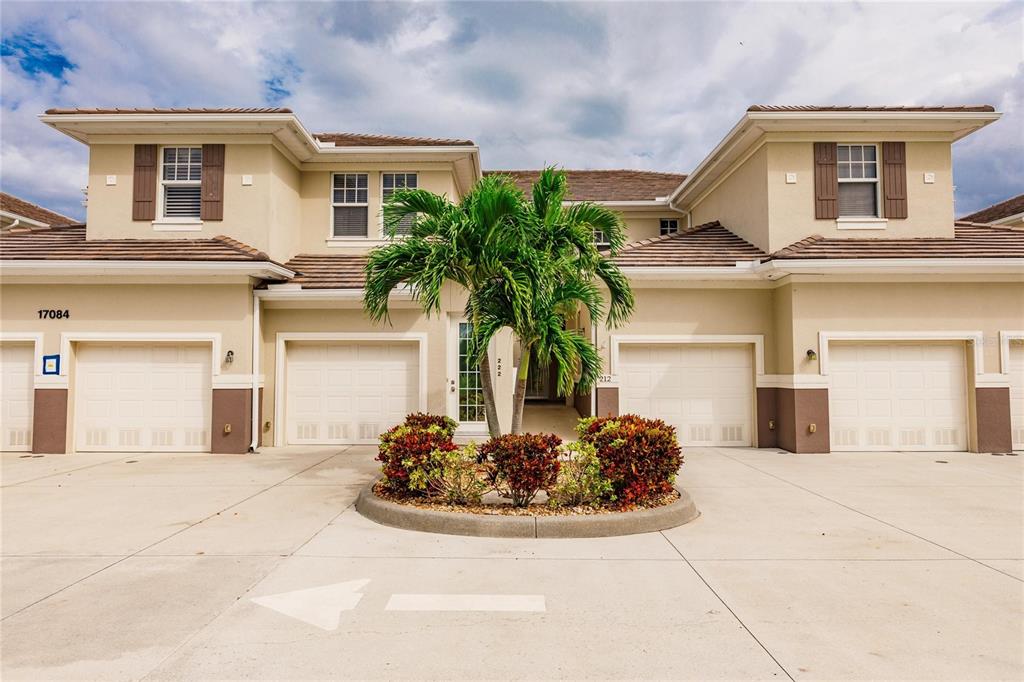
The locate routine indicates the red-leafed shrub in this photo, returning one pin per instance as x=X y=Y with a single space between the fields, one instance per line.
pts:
x=522 y=465
x=640 y=457
x=405 y=456
x=423 y=420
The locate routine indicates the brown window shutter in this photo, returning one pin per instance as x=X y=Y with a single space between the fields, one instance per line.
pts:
x=144 y=183
x=826 y=181
x=213 y=183
x=894 y=179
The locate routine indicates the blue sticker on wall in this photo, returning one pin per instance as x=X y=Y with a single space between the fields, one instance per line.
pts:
x=51 y=364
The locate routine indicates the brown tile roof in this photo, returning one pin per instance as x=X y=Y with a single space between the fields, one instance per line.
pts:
x=26 y=209
x=332 y=271
x=1004 y=209
x=69 y=243
x=708 y=245
x=172 y=110
x=970 y=241
x=912 y=108
x=605 y=185
x=361 y=140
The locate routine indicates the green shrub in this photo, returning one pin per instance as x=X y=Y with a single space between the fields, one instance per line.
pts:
x=580 y=481
x=455 y=476
x=522 y=465
x=405 y=454
x=640 y=457
x=423 y=420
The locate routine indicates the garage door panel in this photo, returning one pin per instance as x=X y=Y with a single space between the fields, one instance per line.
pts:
x=1016 y=371
x=17 y=371
x=139 y=397
x=348 y=392
x=908 y=396
x=706 y=392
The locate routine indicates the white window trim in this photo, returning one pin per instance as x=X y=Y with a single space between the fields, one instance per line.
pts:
x=755 y=340
x=380 y=215
x=342 y=241
x=174 y=223
x=280 y=367
x=1005 y=338
x=974 y=338
x=877 y=180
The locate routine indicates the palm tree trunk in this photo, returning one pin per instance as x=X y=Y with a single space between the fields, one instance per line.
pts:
x=490 y=409
x=519 y=397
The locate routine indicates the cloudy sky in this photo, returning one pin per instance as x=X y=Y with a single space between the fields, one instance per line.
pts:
x=604 y=85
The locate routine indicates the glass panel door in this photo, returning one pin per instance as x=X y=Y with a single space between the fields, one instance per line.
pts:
x=470 y=393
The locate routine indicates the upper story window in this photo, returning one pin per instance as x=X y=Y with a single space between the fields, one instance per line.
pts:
x=350 y=202
x=599 y=238
x=668 y=226
x=392 y=181
x=857 y=166
x=181 y=177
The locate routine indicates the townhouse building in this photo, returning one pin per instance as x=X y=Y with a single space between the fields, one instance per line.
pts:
x=805 y=287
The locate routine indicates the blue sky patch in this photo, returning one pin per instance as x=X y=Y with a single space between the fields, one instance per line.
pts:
x=35 y=55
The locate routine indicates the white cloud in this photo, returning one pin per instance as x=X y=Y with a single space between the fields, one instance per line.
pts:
x=605 y=85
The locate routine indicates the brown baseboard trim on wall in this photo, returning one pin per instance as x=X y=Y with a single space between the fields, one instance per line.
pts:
x=798 y=409
x=992 y=408
x=767 y=418
x=50 y=421
x=607 y=401
x=232 y=407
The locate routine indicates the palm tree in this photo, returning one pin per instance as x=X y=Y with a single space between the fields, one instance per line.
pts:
x=474 y=244
x=558 y=258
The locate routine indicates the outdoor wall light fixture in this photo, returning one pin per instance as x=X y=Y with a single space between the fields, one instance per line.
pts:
x=812 y=355
x=229 y=358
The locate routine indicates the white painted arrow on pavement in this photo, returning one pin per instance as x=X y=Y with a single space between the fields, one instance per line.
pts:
x=466 y=602
x=318 y=606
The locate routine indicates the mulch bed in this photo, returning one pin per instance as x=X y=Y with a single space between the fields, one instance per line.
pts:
x=504 y=508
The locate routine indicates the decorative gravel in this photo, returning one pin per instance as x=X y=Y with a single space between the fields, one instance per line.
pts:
x=504 y=508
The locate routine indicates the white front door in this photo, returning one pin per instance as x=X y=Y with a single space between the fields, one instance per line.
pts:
x=142 y=397
x=706 y=392
x=465 y=391
x=897 y=396
x=1017 y=394
x=16 y=396
x=348 y=391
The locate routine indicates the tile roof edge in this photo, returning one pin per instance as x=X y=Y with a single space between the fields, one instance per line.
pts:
x=677 y=235
x=796 y=246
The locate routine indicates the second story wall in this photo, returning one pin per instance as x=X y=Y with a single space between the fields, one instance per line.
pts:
x=740 y=201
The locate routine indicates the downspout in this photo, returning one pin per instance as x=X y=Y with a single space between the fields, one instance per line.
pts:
x=255 y=372
x=593 y=391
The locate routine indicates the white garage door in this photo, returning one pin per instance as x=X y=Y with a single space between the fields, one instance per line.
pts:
x=349 y=392
x=1017 y=394
x=898 y=396
x=142 y=398
x=706 y=392
x=16 y=396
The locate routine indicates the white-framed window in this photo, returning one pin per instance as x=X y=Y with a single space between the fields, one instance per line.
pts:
x=668 y=226
x=181 y=177
x=389 y=182
x=858 y=180
x=350 y=204
x=599 y=238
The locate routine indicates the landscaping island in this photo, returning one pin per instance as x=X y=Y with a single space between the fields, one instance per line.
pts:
x=617 y=479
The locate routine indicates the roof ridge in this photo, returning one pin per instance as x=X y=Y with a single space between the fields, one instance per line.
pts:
x=670 y=236
x=797 y=246
x=241 y=246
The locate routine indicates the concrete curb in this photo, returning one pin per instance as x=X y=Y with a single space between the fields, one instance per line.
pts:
x=479 y=525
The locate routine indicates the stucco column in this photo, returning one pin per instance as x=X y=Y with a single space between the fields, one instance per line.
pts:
x=50 y=421
x=802 y=422
x=992 y=415
x=231 y=420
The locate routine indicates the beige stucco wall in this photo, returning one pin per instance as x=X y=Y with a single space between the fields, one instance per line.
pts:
x=647 y=225
x=694 y=311
x=133 y=308
x=285 y=207
x=904 y=307
x=247 y=214
x=929 y=206
x=740 y=201
x=316 y=219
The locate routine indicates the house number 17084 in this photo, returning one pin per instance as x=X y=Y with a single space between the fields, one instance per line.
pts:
x=54 y=314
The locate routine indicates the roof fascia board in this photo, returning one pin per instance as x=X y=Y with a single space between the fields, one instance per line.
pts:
x=987 y=266
x=121 y=267
x=1008 y=219
x=28 y=221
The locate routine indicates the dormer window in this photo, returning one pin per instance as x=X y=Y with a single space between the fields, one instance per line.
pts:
x=668 y=226
x=857 y=167
x=181 y=177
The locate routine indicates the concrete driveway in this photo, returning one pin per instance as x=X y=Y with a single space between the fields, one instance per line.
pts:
x=843 y=566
